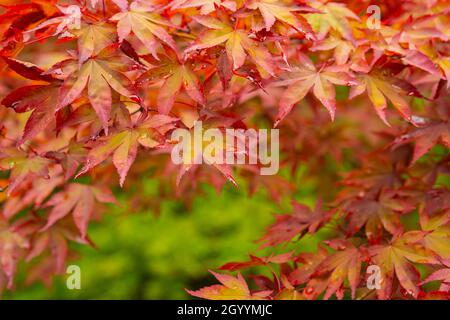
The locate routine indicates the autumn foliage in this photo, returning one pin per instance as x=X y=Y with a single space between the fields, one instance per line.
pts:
x=89 y=88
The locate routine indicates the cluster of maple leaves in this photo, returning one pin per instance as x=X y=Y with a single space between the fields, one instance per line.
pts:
x=91 y=87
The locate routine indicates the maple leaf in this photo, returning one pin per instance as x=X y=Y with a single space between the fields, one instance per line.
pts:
x=124 y=144
x=176 y=76
x=344 y=263
x=302 y=220
x=59 y=26
x=50 y=239
x=93 y=38
x=435 y=201
x=373 y=177
x=394 y=260
x=435 y=234
x=70 y=159
x=273 y=10
x=237 y=44
x=11 y=245
x=22 y=166
x=334 y=16
x=231 y=289
x=383 y=212
x=35 y=194
x=437 y=240
x=421 y=30
x=425 y=137
x=55 y=239
x=145 y=25
x=224 y=169
x=206 y=6
x=99 y=75
x=78 y=199
x=420 y=60
x=41 y=100
x=200 y=151
x=305 y=77
x=436 y=58
x=288 y=292
x=27 y=70
x=342 y=48
x=84 y=115
x=310 y=261
x=380 y=85
x=19 y=17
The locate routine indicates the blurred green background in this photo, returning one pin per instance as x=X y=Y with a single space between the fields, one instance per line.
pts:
x=143 y=255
